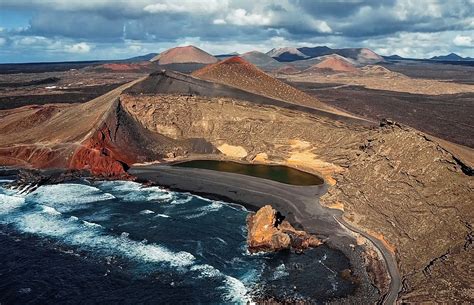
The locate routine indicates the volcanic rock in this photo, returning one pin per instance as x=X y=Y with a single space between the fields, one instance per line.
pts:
x=180 y=55
x=267 y=231
x=237 y=72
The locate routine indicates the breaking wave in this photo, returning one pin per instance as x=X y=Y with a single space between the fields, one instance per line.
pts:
x=46 y=216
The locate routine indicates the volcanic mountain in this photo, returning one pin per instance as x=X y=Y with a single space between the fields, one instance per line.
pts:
x=260 y=60
x=361 y=55
x=98 y=136
x=336 y=63
x=181 y=55
x=238 y=73
x=286 y=54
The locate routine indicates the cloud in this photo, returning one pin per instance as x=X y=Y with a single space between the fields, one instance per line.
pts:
x=463 y=41
x=219 y=21
x=81 y=47
x=111 y=27
x=186 y=6
x=242 y=17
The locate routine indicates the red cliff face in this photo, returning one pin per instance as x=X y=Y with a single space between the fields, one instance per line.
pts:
x=98 y=155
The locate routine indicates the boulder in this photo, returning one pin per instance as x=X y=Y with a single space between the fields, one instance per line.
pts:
x=268 y=231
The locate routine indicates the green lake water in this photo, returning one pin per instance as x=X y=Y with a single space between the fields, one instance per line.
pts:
x=277 y=173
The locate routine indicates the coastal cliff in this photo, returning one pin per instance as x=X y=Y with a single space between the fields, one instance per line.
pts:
x=268 y=231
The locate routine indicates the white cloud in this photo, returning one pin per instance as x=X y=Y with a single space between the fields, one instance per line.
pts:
x=3 y=41
x=219 y=21
x=189 y=6
x=322 y=26
x=462 y=41
x=32 y=40
x=404 y=9
x=80 y=47
x=242 y=17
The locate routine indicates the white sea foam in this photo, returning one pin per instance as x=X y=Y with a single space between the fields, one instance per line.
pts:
x=67 y=197
x=236 y=292
x=133 y=192
x=204 y=210
x=182 y=200
x=146 y=212
x=46 y=220
x=50 y=210
x=280 y=272
x=75 y=232
x=92 y=224
x=206 y=271
x=8 y=203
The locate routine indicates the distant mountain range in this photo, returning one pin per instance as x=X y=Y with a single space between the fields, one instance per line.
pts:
x=145 y=57
x=289 y=54
x=451 y=57
x=361 y=55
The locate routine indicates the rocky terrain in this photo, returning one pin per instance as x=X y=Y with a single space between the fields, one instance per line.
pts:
x=72 y=86
x=381 y=78
x=446 y=116
x=392 y=181
x=268 y=231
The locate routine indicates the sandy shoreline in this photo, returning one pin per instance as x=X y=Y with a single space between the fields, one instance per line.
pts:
x=299 y=203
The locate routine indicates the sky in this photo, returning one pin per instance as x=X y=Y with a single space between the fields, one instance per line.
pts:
x=63 y=30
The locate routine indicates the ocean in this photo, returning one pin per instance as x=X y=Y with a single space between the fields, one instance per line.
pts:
x=119 y=242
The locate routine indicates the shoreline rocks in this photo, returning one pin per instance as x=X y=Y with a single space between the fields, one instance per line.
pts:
x=268 y=231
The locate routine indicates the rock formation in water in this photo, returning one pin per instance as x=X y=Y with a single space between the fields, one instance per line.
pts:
x=268 y=231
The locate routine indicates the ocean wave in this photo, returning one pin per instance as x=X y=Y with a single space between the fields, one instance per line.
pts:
x=236 y=292
x=92 y=224
x=67 y=197
x=183 y=200
x=204 y=210
x=50 y=210
x=9 y=202
x=133 y=192
x=280 y=272
x=146 y=212
x=92 y=237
